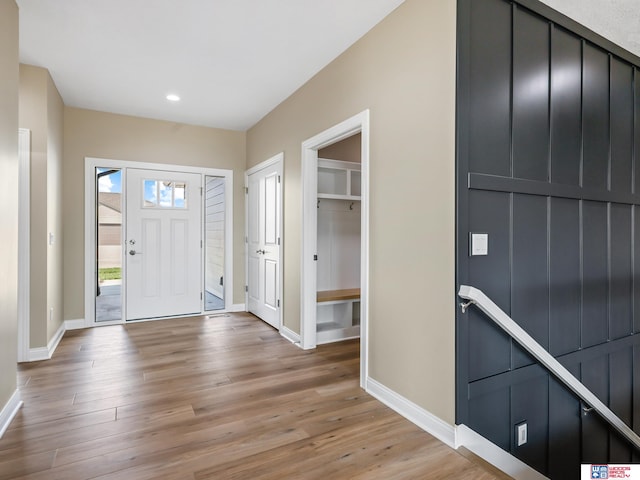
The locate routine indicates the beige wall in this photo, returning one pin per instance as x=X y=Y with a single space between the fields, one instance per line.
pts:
x=347 y=150
x=89 y=133
x=55 y=184
x=9 y=79
x=33 y=108
x=41 y=111
x=404 y=72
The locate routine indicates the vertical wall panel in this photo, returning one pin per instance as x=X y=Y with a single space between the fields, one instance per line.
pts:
x=635 y=214
x=490 y=212
x=549 y=154
x=620 y=381
x=564 y=276
x=635 y=209
x=490 y=71
x=489 y=414
x=636 y=123
x=529 y=404
x=635 y=411
x=530 y=289
x=566 y=107
x=621 y=281
x=595 y=435
x=595 y=117
x=621 y=125
x=595 y=274
x=564 y=429
x=530 y=96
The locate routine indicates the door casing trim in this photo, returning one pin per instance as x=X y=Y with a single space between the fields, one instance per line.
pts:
x=24 y=236
x=90 y=232
x=359 y=123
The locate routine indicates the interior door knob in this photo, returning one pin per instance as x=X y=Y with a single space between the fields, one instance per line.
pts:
x=133 y=252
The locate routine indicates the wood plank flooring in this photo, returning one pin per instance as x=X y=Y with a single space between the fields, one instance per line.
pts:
x=211 y=398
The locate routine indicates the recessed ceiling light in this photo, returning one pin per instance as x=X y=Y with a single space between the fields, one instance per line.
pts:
x=173 y=98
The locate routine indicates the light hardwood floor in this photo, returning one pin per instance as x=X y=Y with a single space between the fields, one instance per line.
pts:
x=201 y=398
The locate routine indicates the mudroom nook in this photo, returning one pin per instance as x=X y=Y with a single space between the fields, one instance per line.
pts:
x=338 y=266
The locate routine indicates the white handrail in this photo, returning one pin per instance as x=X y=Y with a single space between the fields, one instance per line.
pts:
x=484 y=303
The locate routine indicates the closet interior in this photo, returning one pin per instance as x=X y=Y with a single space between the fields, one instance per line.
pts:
x=338 y=242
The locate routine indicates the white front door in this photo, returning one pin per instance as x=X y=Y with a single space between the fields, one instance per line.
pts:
x=264 y=197
x=163 y=244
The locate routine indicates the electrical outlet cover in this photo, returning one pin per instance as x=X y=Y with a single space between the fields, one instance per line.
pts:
x=521 y=430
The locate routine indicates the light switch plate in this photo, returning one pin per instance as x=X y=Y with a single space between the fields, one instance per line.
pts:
x=479 y=244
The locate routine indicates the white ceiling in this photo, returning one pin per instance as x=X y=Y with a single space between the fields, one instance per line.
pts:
x=231 y=61
x=616 y=20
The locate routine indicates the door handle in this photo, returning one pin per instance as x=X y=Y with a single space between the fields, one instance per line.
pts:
x=133 y=252
x=260 y=252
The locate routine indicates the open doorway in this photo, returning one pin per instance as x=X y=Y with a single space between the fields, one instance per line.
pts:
x=339 y=240
x=109 y=203
x=214 y=220
x=334 y=295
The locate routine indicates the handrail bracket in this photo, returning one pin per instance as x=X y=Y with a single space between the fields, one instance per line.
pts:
x=465 y=306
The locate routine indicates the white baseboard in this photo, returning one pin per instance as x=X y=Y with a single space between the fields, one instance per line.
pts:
x=490 y=452
x=9 y=411
x=290 y=335
x=45 y=353
x=237 y=307
x=419 y=416
x=55 y=340
x=75 y=324
x=38 y=354
x=455 y=437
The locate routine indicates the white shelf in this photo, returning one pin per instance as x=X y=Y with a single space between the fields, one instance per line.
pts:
x=325 y=326
x=338 y=180
x=337 y=334
x=337 y=320
x=333 y=196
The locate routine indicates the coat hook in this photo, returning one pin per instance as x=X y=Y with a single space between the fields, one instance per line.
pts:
x=351 y=206
x=318 y=206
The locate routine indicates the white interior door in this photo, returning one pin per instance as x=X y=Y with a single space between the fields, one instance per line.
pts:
x=163 y=244
x=264 y=197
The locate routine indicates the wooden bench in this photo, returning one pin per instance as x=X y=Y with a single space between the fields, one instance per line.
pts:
x=335 y=315
x=338 y=295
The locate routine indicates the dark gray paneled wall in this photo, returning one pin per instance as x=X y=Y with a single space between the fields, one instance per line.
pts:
x=548 y=150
